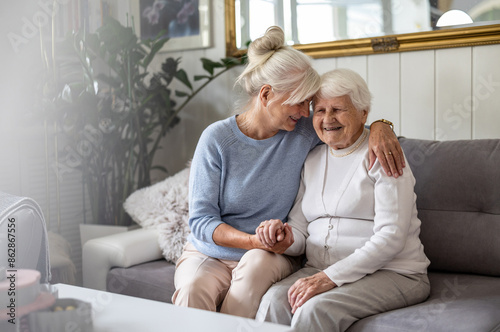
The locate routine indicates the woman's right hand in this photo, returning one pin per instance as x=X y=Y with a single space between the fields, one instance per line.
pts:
x=305 y=288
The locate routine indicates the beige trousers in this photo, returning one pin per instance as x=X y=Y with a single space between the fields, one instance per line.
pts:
x=205 y=283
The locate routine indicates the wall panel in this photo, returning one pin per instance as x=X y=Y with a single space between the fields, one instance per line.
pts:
x=453 y=93
x=357 y=63
x=417 y=94
x=486 y=92
x=324 y=65
x=383 y=82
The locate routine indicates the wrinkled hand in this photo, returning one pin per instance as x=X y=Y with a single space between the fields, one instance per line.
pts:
x=270 y=231
x=385 y=147
x=305 y=288
x=274 y=236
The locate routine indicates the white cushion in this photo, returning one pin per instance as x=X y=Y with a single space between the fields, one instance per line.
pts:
x=164 y=206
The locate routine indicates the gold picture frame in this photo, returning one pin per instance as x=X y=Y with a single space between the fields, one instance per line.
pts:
x=445 y=38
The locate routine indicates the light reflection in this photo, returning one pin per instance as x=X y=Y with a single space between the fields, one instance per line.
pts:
x=454 y=17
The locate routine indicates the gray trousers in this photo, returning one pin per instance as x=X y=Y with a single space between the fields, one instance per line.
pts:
x=339 y=308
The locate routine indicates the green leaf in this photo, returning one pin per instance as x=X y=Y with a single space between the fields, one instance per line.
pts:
x=92 y=42
x=182 y=76
x=209 y=65
x=136 y=55
x=201 y=77
x=157 y=46
x=231 y=62
x=160 y=35
x=147 y=42
x=181 y=93
x=165 y=96
x=140 y=77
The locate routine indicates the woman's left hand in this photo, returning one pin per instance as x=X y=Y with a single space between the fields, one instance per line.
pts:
x=270 y=231
x=305 y=288
x=384 y=146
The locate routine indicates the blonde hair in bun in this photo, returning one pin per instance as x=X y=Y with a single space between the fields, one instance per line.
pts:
x=263 y=48
x=285 y=69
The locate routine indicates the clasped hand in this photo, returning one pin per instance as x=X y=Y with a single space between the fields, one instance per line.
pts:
x=274 y=235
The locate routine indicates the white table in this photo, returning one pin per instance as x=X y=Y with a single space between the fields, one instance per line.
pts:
x=116 y=312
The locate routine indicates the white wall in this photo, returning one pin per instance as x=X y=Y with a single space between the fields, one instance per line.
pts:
x=439 y=94
x=442 y=94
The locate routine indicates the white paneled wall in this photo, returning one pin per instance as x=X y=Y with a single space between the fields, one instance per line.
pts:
x=442 y=94
x=453 y=88
x=383 y=78
x=436 y=94
x=486 y=92
x=357 y=63
x=417 y=94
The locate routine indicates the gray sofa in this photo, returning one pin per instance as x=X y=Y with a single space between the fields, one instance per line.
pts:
x=458 y=199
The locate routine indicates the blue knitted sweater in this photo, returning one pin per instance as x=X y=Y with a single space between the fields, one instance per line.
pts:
x=240 y=181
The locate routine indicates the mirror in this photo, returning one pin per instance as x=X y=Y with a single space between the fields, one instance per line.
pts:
x=347 y=27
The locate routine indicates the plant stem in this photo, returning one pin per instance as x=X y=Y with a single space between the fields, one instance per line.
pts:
x=198 y=90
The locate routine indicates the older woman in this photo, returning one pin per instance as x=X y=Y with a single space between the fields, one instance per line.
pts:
x=358 y=226
x=245 y=175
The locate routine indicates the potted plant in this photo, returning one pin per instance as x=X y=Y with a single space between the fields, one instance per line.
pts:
x=114 y=114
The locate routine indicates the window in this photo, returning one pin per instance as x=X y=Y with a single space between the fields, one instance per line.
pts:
x=312 y=21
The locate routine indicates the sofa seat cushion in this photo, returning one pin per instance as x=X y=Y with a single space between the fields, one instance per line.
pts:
x=457 y=302
x=152 y=280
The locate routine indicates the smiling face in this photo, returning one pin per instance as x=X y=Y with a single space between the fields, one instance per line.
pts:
x=285 y=117
x=337 y=122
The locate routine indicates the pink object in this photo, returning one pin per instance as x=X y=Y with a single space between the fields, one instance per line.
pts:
x=20 y=294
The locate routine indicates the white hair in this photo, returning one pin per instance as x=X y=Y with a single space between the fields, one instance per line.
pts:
x=345 y=82
x=284 y=68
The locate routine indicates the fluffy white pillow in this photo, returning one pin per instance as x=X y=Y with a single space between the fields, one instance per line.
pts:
x=164 y=206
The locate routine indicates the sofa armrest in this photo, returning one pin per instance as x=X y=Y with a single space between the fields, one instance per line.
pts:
x=121 y=250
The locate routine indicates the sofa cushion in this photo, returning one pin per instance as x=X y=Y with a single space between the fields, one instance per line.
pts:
x=458 y=190
x=164 y=206
x=457 y=302
x=465 y=171
x=153 y=280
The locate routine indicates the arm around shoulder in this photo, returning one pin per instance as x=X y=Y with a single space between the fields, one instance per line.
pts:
x=385 y=147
